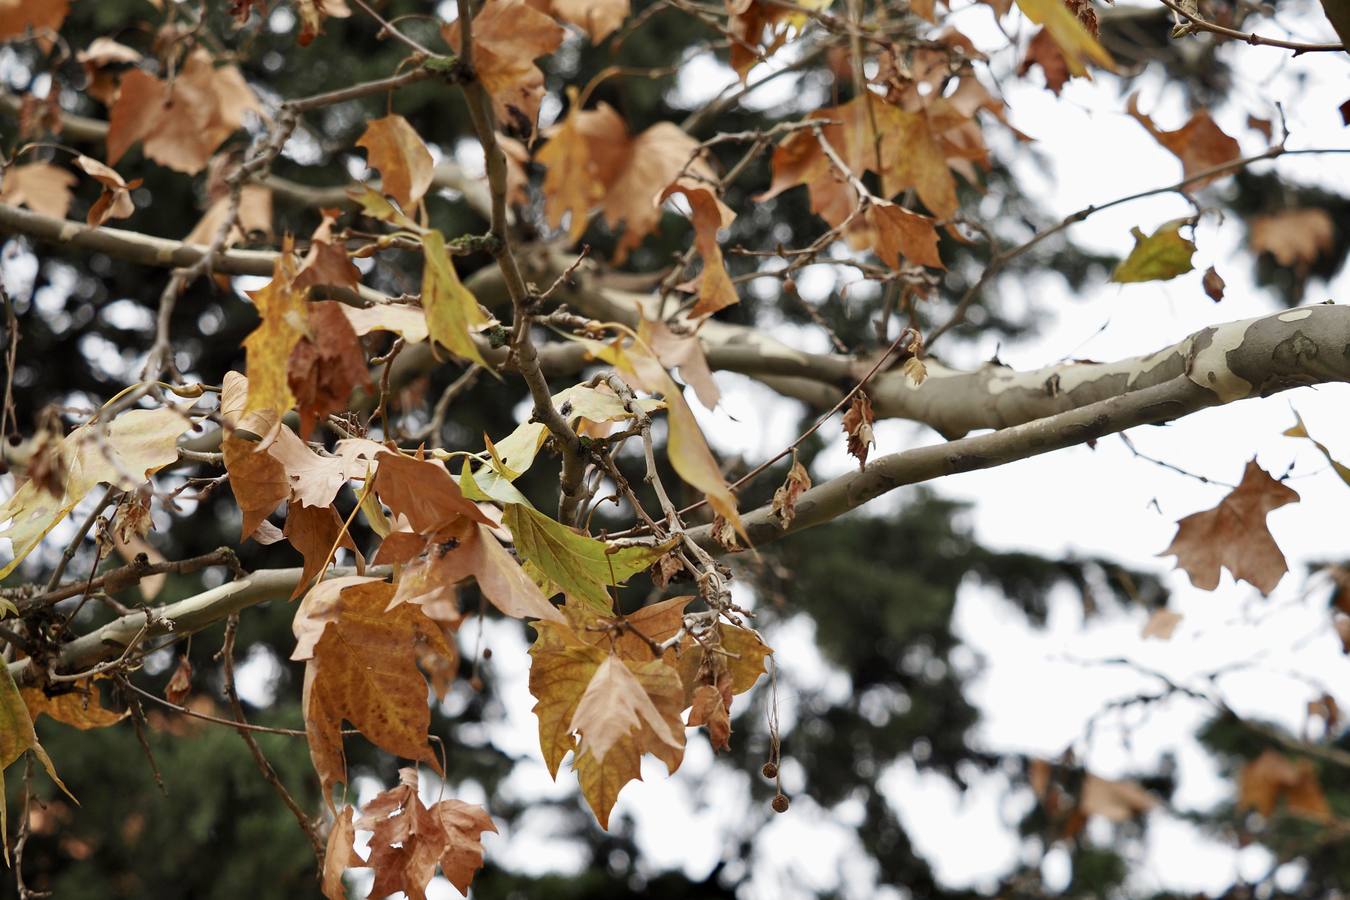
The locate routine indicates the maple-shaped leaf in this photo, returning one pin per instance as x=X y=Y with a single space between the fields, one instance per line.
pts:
x=508 y=36
x=709 y=214
x=633 y=708
x=1295 y=237
x=314 y=479
x=77 y=705
x=423 y=491
x=1299 y=430
x=1234 y=535
x=471 y=551
x=858 y=427
x=656 y=158
x=284 y=313
x=40 y=186
x=326 y=364
x=315 y=531
x=124 y=452
x=630 y=636
x=798 y=482
x=1273 y=777
x=578 y=564
x=1200 y=144
x=1075 y=41
x=180 y=124
x=397 y=151
x=573 y=182
x=363 y=669
x=451 y=309
x=897 y=235
x=17 y=737
x=410 y=839
x=1159 y=256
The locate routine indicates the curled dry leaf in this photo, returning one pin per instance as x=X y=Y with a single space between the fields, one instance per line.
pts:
x=180 y=683
x=1234 y=535
x=410 y=839
x=115 y=201
x=784 y=508
x=312 y=14
x=363 y=668
x=1200 y=144
x=858 y=426
x=709 y=214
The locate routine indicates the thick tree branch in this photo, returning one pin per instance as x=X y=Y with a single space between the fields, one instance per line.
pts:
x=1256 y=357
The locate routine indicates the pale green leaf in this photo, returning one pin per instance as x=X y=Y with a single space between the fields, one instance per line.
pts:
x=1163 y=255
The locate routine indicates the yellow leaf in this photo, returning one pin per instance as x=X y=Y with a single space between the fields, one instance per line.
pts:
x=268 y=349
x=1075 y=42
x=451 y=310
x=79 y=708
x=137 y=444
x=16 y=738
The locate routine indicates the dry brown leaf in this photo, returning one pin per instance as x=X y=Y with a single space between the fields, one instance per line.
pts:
x=40 y=186
x=1044 y=52
x=397 y=151
x=115 y=201
x=181 y=124
x=1199 y=144
x=1295 y=237
x=858 y=427
x=897 y=235
x=1213 y=284
x=45 y=16
x=180 y=683
x=424 y=492
x=252 y=223
x=410 y=839
x=363 y=669
x=1273 y=777
x=784 y=508
x=656 y=158
x=1234 y=535
x=312 y=14
x=340 y=855
x=709 y=214
x=313 y=531
x=326 y=365
x=508 y=36
x=709 y=708
x=683 y=352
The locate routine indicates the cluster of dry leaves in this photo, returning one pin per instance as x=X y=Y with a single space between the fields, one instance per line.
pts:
x=609 y=688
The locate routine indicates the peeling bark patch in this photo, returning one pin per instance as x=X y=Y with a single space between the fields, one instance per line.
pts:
x=1295 y=315
x=1208 y=362
x=1294 y=352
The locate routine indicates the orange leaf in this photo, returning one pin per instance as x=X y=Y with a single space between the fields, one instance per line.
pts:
x=508 y=36
x=326 y=364
x=80 y=707
x=897 y=234
x=709 y=215
x=1199 y=144
x=423 y=491
x=404 y=162
x=313 y=530
x=1272 y=777
x=1234 y=535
